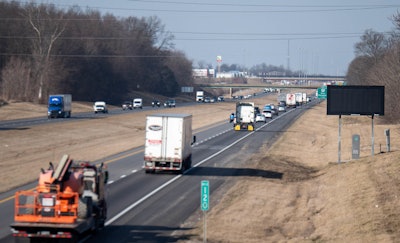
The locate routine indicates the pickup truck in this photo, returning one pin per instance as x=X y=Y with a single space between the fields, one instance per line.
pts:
x=170 y=103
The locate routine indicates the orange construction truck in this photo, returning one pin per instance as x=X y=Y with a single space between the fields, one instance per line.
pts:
x=68 y=203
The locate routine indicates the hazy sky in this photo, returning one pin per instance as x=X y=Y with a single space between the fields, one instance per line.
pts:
x=313 y=36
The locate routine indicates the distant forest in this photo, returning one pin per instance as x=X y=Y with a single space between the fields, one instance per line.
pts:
x=46 y=50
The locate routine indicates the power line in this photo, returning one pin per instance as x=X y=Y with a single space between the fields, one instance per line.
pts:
x=321 y=8
x=268 y=5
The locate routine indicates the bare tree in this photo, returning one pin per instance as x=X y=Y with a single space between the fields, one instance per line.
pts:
x=161 y=38
x=16 y=81
x=372 y=44
x=396 y=20
x=47 y=24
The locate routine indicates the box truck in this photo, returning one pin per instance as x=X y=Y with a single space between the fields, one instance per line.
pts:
x=168 y=145
x=290 y=100
x=199 y=96
x=137 y=103
x=59 y=106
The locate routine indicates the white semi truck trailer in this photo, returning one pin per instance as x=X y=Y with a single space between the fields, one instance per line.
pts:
x=168 y=145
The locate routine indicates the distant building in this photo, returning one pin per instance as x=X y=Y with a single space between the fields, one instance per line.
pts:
x=231 y=74
x=203 y=73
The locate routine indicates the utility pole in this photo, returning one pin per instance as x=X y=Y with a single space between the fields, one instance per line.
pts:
x=288 y=54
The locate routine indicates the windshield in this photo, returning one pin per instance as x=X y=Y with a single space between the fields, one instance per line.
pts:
x=55 y=105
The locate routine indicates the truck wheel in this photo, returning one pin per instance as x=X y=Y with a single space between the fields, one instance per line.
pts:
x=22 y=240
x=74 y=238
x=189 y=162
x=181 y=171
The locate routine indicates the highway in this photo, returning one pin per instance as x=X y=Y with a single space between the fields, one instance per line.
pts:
x=152 y=207
x=28 y=122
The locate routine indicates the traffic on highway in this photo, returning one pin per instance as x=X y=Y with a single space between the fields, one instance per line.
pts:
x=151 y=207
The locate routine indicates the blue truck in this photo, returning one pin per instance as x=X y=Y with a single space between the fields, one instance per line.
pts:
x=59 y=106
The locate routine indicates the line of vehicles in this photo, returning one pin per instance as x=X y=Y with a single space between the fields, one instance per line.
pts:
x=246 y=114
x=138 y=103
x=60 y=105
x=206 y=99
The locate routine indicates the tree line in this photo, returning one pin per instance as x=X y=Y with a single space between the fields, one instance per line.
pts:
x=45 y=50
x=377 y=62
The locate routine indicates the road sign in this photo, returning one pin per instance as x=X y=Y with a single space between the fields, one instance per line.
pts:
x=321 y=92
x=205 y=195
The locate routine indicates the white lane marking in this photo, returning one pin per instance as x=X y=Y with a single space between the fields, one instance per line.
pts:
x=141 y=200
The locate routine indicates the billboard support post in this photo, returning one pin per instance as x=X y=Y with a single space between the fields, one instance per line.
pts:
x=340 y=139
x=372 y=136
x=387 y=134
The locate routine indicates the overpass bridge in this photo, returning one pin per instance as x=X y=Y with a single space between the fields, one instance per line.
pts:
x=307 y=78
x=310 y=82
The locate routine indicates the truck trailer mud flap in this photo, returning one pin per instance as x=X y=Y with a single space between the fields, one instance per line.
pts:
x=244 y=127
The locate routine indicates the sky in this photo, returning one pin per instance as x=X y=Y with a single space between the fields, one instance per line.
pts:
x=314 y=36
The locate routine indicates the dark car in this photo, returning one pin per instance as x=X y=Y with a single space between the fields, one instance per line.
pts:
x=127 y=105
x=155 y=103
x=170 y=103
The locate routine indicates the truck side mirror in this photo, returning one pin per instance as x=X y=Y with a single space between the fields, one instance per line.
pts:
x=194 y=140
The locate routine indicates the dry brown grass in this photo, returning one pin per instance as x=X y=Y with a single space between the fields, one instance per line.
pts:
x=317 y=199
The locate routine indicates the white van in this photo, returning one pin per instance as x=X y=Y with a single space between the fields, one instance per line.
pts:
x=138 y=103
x=100 y=106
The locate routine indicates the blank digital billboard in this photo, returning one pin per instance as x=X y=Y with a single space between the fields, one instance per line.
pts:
x=355 y=100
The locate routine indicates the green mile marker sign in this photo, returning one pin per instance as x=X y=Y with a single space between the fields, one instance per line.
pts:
x=205 y=195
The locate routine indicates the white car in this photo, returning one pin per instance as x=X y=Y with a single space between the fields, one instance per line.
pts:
x=267 y=114
x=260 y=118
x=281 y=108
